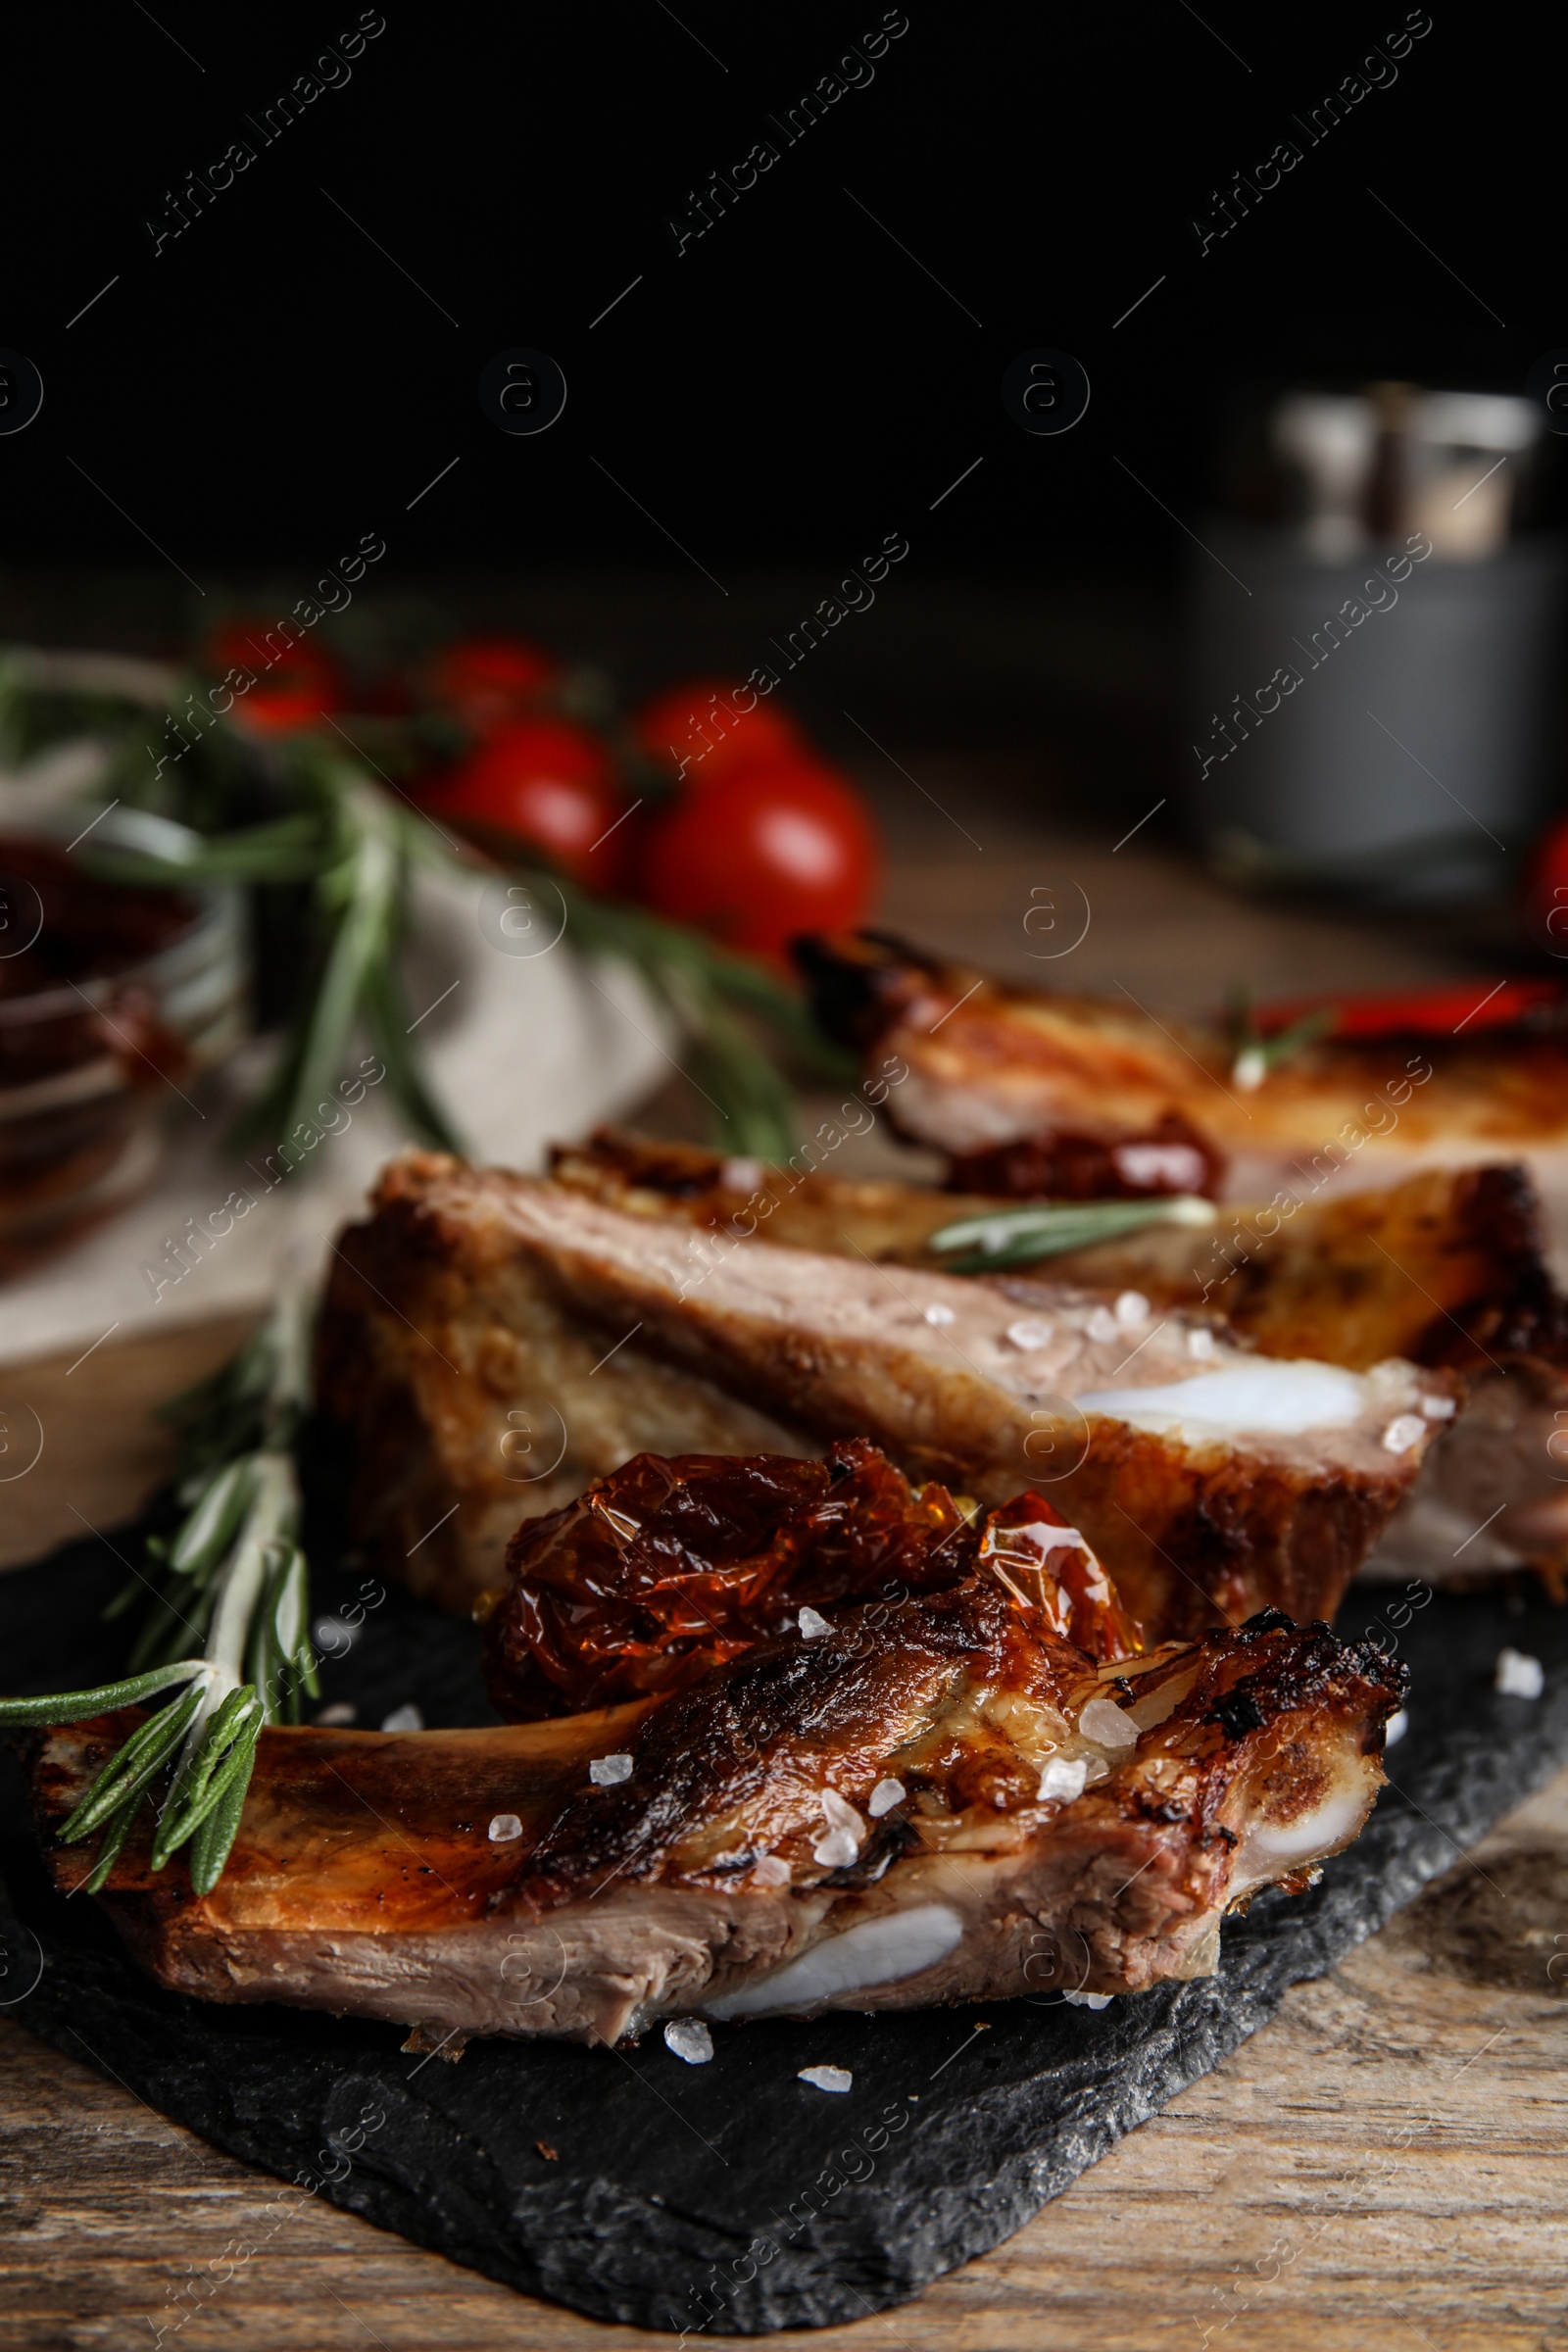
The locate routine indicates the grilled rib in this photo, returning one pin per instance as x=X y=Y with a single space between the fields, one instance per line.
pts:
x=1449 y=1268
x=1057 y=1824
x=471 y=1295
x=991 y=1064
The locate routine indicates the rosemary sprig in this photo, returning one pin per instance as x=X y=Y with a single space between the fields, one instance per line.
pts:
x=1021 y=1237
x=234 y=1592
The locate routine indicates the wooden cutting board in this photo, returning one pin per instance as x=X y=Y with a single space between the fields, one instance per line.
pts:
x=1384 y=2165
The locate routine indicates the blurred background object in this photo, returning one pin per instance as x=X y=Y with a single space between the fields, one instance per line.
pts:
x=1374 y=641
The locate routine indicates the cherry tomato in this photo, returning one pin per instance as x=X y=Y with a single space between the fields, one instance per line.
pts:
x=484 y=683
x=296 y=682
x=548 y=785
x=763 y=854
x=698 y=723
x=1546 y=895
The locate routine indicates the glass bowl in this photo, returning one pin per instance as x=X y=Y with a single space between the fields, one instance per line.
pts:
x=114 y=1000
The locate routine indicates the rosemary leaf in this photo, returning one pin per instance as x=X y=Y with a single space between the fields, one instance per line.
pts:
x=227 y=1747
x=209 y=1529
x=116 y=1831
x=75 y=1707
x=287 y=851
x=214 y=1837
x=263 y=1657
x=1023 y=1236
x=231 y=1774
x=136 y=1762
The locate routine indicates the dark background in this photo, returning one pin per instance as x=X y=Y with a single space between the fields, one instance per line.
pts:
x=794 y=386
x=794 y=383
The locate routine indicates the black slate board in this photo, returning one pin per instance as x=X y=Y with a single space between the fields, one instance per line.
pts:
x=731 y=2195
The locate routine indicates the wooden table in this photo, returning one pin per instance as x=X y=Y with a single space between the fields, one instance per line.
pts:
x=1380 y=2167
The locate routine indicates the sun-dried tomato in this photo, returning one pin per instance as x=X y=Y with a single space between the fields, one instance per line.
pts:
x=1171 y=1156
x=662 y=1571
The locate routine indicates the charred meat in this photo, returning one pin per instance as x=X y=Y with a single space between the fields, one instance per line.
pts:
x=942 y=1799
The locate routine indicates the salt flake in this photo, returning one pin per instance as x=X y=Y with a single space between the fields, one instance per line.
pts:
x=1131 y=1309
x=771 y=1871
x=1027 y=1335
x=826 y=2077
x=606 y=1771
x=838 y=1814
x=1201 y=1343
x=1403 y=1431
x=690 y=2039
x=1519 y=1676
x=1438 y=1409
x=1064 y=1776
x=1102 y=1325
x=404 y=1719
x=884 y=1796
x=1103 y=1721
x=837 y=1850
x=940 y=1314
x=812 y=1625
x=503 y=1828
x=1089 y=2000
x=1397 y=1726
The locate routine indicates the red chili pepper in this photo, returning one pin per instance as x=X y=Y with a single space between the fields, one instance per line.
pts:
x=1446 y=1009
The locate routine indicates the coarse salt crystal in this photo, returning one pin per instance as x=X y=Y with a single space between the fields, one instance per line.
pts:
x=940 y=1314
x=404 y=1719
x=1064 y=1776
x=1131 y=1309
x=1089 y=2000
x=690 y=2039
x=771 y=1871
x=1397 y=1726
x=884 y=1796
x=339 y=1712
x=1103 y=1721
x=1519 y=1676
x=1438 y=1409
x=837 y=1850
x=1102 y=1325
x=1201 y=1343
x=606 y=1771
x=1404 y=1431
x=812 y=1625
x=1027 y=1336
x=503 y=1827
x=742 y=1175
x=826 y=2077
x=846 y=1833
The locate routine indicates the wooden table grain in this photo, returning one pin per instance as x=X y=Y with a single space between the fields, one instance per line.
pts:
x=1383 y=2166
